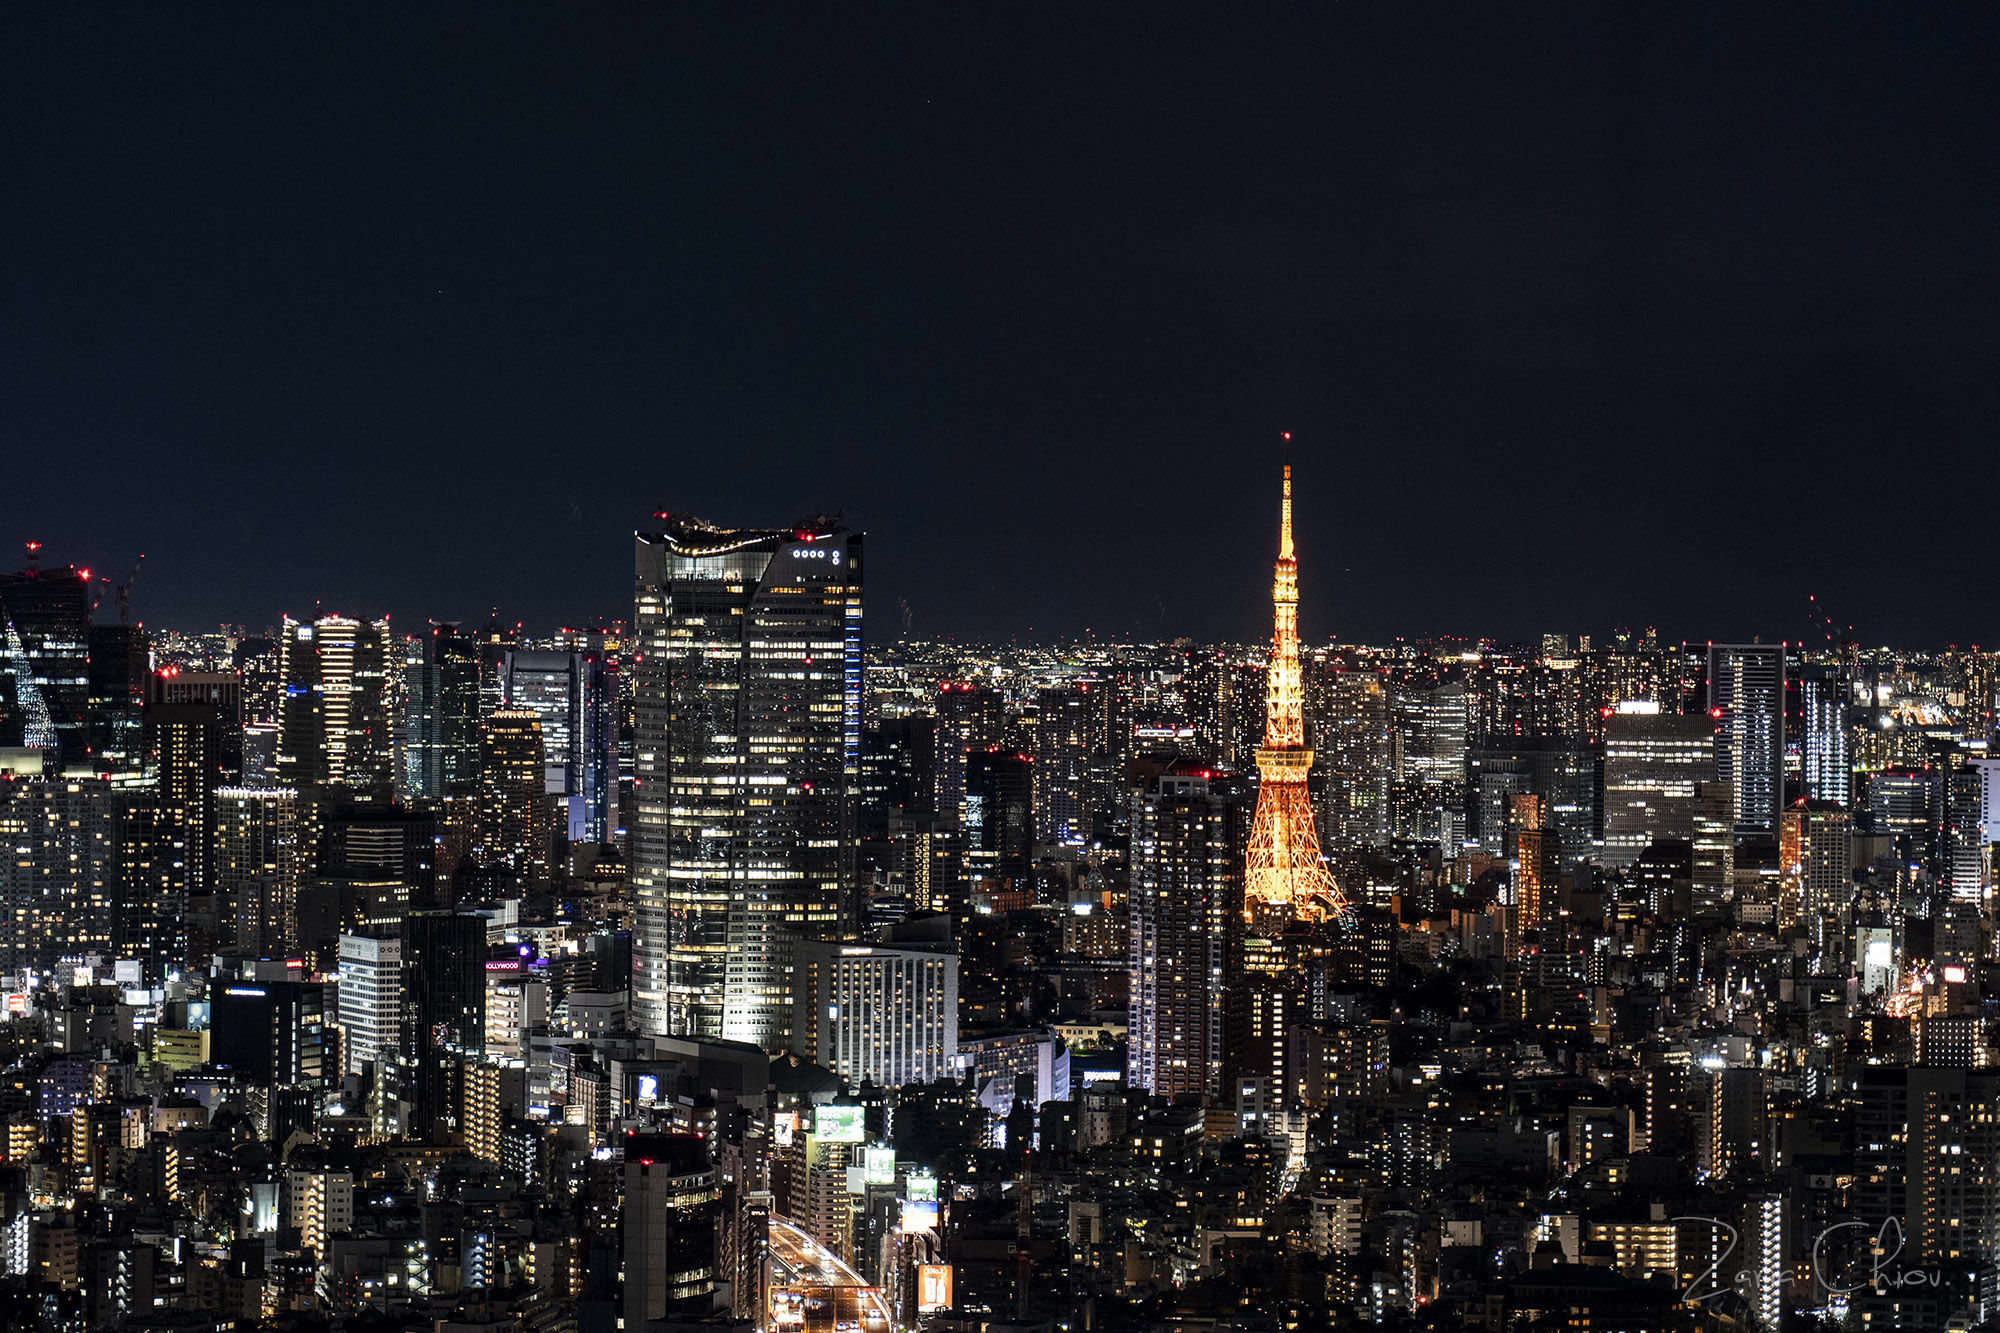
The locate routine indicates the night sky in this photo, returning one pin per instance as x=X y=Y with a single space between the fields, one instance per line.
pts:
x=1579 y=315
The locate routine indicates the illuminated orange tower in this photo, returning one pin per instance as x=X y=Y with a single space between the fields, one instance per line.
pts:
x=1284 y=872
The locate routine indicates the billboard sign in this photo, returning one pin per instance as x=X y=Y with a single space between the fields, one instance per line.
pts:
x=838 y=1124
x=933 y=1287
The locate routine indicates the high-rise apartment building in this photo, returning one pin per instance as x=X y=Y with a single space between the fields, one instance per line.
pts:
x=260 y=858
x=1746 y=694
x=1349 y=711
x=970 y=718
x=1815 y=881
x=186 y=741
x=1224 y=699
x=58 y=879
x=1186 y=841
x=1924 y=1139
x=1536 y=877
x=1064 y=740
x=196 y=747
x=259 y=664
x=747 y=745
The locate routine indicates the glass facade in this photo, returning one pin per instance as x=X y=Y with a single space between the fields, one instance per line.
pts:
x=441 y=724
x=747 y=756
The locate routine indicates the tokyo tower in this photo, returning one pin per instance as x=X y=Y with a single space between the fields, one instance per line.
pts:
x=1284 y=872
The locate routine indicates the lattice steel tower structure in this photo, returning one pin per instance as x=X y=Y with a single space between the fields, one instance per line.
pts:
x=1285 y=874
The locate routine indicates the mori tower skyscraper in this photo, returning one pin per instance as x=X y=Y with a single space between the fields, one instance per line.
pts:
x=746 y=754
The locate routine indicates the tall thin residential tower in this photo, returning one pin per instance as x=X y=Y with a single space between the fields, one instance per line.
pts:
x=1284 y=871
x=747 y=751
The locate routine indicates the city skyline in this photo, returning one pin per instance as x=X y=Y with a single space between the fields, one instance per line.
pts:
x=715 y=731
x=1815 y=630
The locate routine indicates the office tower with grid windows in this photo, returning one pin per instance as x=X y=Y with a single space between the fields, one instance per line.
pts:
x=441 y=718
x=1653 y=763
x=337 y=712
x=1746 y=695
x=747 y=751
x=574 y=693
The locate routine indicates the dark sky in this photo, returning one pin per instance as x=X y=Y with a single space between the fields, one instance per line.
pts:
x=1579 y=315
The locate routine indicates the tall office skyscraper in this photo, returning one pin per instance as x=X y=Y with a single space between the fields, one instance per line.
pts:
x=999 y=819
x=574 y=693
x=187 y=742
x=1652 y=763
x=45 y=659
x=1185 y=836
x=513 y=800
x=371 y=997
x=270 y=1031
x=444 y=1005
x=1746 y=693
x=748 y=745
x=670 y=1223
x=1284 y=870
x=1964 y=854
x=441 y=726
x=1351 y=739
x=1907 y=805
x=336 y=716
x=120 y=664
x=1823 y=699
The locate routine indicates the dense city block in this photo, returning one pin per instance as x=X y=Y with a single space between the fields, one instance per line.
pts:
x=733 y=969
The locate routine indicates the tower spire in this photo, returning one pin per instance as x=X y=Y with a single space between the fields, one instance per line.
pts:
x=1283 y=867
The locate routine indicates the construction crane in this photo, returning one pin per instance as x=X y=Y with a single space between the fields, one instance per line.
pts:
x=1836 y=636
x=123 y=591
